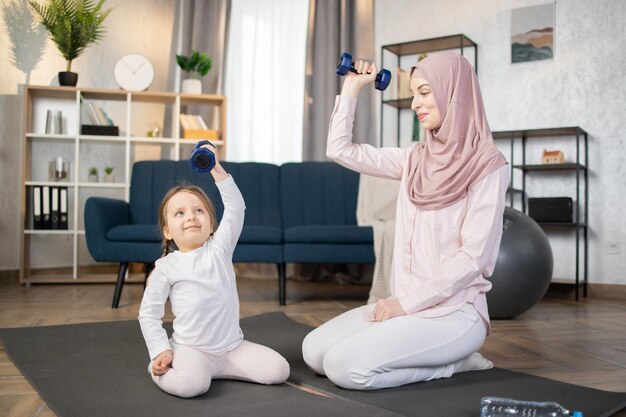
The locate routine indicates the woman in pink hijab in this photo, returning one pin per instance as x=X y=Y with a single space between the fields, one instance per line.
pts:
x=447 y=236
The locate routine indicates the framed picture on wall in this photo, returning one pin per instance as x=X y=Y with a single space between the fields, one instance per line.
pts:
x=532 y=33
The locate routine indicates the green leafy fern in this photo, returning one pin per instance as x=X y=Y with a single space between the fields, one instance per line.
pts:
x=73 y=24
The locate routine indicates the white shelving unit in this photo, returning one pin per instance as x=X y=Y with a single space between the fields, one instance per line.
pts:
x=64 y=251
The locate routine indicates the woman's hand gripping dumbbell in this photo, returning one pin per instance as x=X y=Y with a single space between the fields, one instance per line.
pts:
x=345 y=64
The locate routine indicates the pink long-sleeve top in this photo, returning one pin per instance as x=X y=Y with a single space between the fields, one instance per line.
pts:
x=441 y=258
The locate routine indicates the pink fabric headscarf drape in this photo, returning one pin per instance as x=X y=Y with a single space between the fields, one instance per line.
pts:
x=461 y=150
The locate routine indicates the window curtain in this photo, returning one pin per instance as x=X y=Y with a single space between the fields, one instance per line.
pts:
x=336 y=26
x=265 y=80
x=201 y=25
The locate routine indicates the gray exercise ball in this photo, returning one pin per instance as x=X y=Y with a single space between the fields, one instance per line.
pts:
x=524 y=267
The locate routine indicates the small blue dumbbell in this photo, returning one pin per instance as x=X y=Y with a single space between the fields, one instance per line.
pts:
x=345 y=64
x=202 y=159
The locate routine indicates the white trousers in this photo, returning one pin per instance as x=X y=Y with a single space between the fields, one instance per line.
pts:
x=192 y=370
x=357 y=354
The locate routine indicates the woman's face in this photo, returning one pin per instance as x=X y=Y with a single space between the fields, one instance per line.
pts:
x=424 y=104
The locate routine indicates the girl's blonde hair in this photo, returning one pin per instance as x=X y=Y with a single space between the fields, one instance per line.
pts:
x=192 y=189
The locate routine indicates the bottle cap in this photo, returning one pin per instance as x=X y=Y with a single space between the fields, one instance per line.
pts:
x=577 y=414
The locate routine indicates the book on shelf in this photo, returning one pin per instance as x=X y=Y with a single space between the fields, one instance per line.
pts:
x=93 y=114
x=99 y=121
x=404 y=84
x=194 y=127
x=192 y=121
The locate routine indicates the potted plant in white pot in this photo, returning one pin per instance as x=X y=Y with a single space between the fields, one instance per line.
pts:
x=92 y=174
x=108 y=174
x=195 y=65
x=73 y=25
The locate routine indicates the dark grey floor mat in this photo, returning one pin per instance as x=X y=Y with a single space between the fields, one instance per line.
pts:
x=100 y=370
x=458 y=396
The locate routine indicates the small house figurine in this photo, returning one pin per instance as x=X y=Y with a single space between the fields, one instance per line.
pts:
x=552 y=157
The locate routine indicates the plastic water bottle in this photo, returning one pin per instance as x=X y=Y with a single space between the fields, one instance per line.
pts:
x=506 y=407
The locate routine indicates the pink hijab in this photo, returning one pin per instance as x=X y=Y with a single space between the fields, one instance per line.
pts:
x=461 y=150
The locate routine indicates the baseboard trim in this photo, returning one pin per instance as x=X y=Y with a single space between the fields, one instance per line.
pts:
x=9 y=274
x=594 y=290
x=614 y=291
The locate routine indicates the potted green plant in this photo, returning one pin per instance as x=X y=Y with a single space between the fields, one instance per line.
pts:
x=92 y=175
x=195 y=66
x=73 y=25
x=109 y=177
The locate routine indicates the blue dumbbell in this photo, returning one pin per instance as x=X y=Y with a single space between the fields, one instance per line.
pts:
x=345 y=64
x=202 y=159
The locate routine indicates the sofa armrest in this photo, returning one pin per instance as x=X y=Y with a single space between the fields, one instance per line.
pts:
x=102 y=214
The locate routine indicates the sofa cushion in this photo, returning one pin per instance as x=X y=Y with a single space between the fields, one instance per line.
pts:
x=329 y=234
x=134 y=233
x=318 y=194
x=260 y=234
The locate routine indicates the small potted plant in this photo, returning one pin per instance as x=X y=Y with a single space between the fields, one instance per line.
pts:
x=195 y=65
x=109 y=177
x=93 y=174
x=73 y=25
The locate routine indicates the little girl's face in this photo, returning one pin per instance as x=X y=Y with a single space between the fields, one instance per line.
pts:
x=188 y=222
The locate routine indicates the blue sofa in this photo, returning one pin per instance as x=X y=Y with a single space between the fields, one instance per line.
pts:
x=318 y=203
x=296 y=213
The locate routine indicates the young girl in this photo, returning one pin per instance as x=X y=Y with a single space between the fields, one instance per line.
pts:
x=447 y=237
x=199 y=280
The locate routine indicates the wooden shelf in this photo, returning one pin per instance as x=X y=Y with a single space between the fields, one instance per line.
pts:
x=83 y=151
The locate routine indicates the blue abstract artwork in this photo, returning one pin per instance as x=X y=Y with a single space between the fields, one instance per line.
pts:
x=532 y=33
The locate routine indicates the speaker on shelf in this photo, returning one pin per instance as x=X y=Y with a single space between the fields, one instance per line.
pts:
x=551 y=209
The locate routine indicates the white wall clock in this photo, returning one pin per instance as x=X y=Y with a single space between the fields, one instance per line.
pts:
x=134 y=72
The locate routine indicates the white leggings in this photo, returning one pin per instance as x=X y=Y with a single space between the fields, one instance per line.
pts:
x=358 y=354
x=192 y=370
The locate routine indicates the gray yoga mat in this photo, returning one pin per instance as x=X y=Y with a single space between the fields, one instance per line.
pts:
x=100 y=370
x=458 y=396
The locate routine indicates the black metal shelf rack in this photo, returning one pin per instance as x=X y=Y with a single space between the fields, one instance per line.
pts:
x=457 y=42
x=579 y=167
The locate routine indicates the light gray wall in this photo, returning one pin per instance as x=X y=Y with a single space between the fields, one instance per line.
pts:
x=134 y=26
x=584 y=85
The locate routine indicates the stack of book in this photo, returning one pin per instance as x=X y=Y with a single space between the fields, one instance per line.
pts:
x=47 y=208
x=404 y=84
x=101 y=123
x=194 y=127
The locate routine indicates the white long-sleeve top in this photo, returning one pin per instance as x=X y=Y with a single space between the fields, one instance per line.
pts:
x=441 y=258
x=201 y=287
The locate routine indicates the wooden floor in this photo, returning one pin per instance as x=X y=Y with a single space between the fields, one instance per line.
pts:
x=583 y=342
